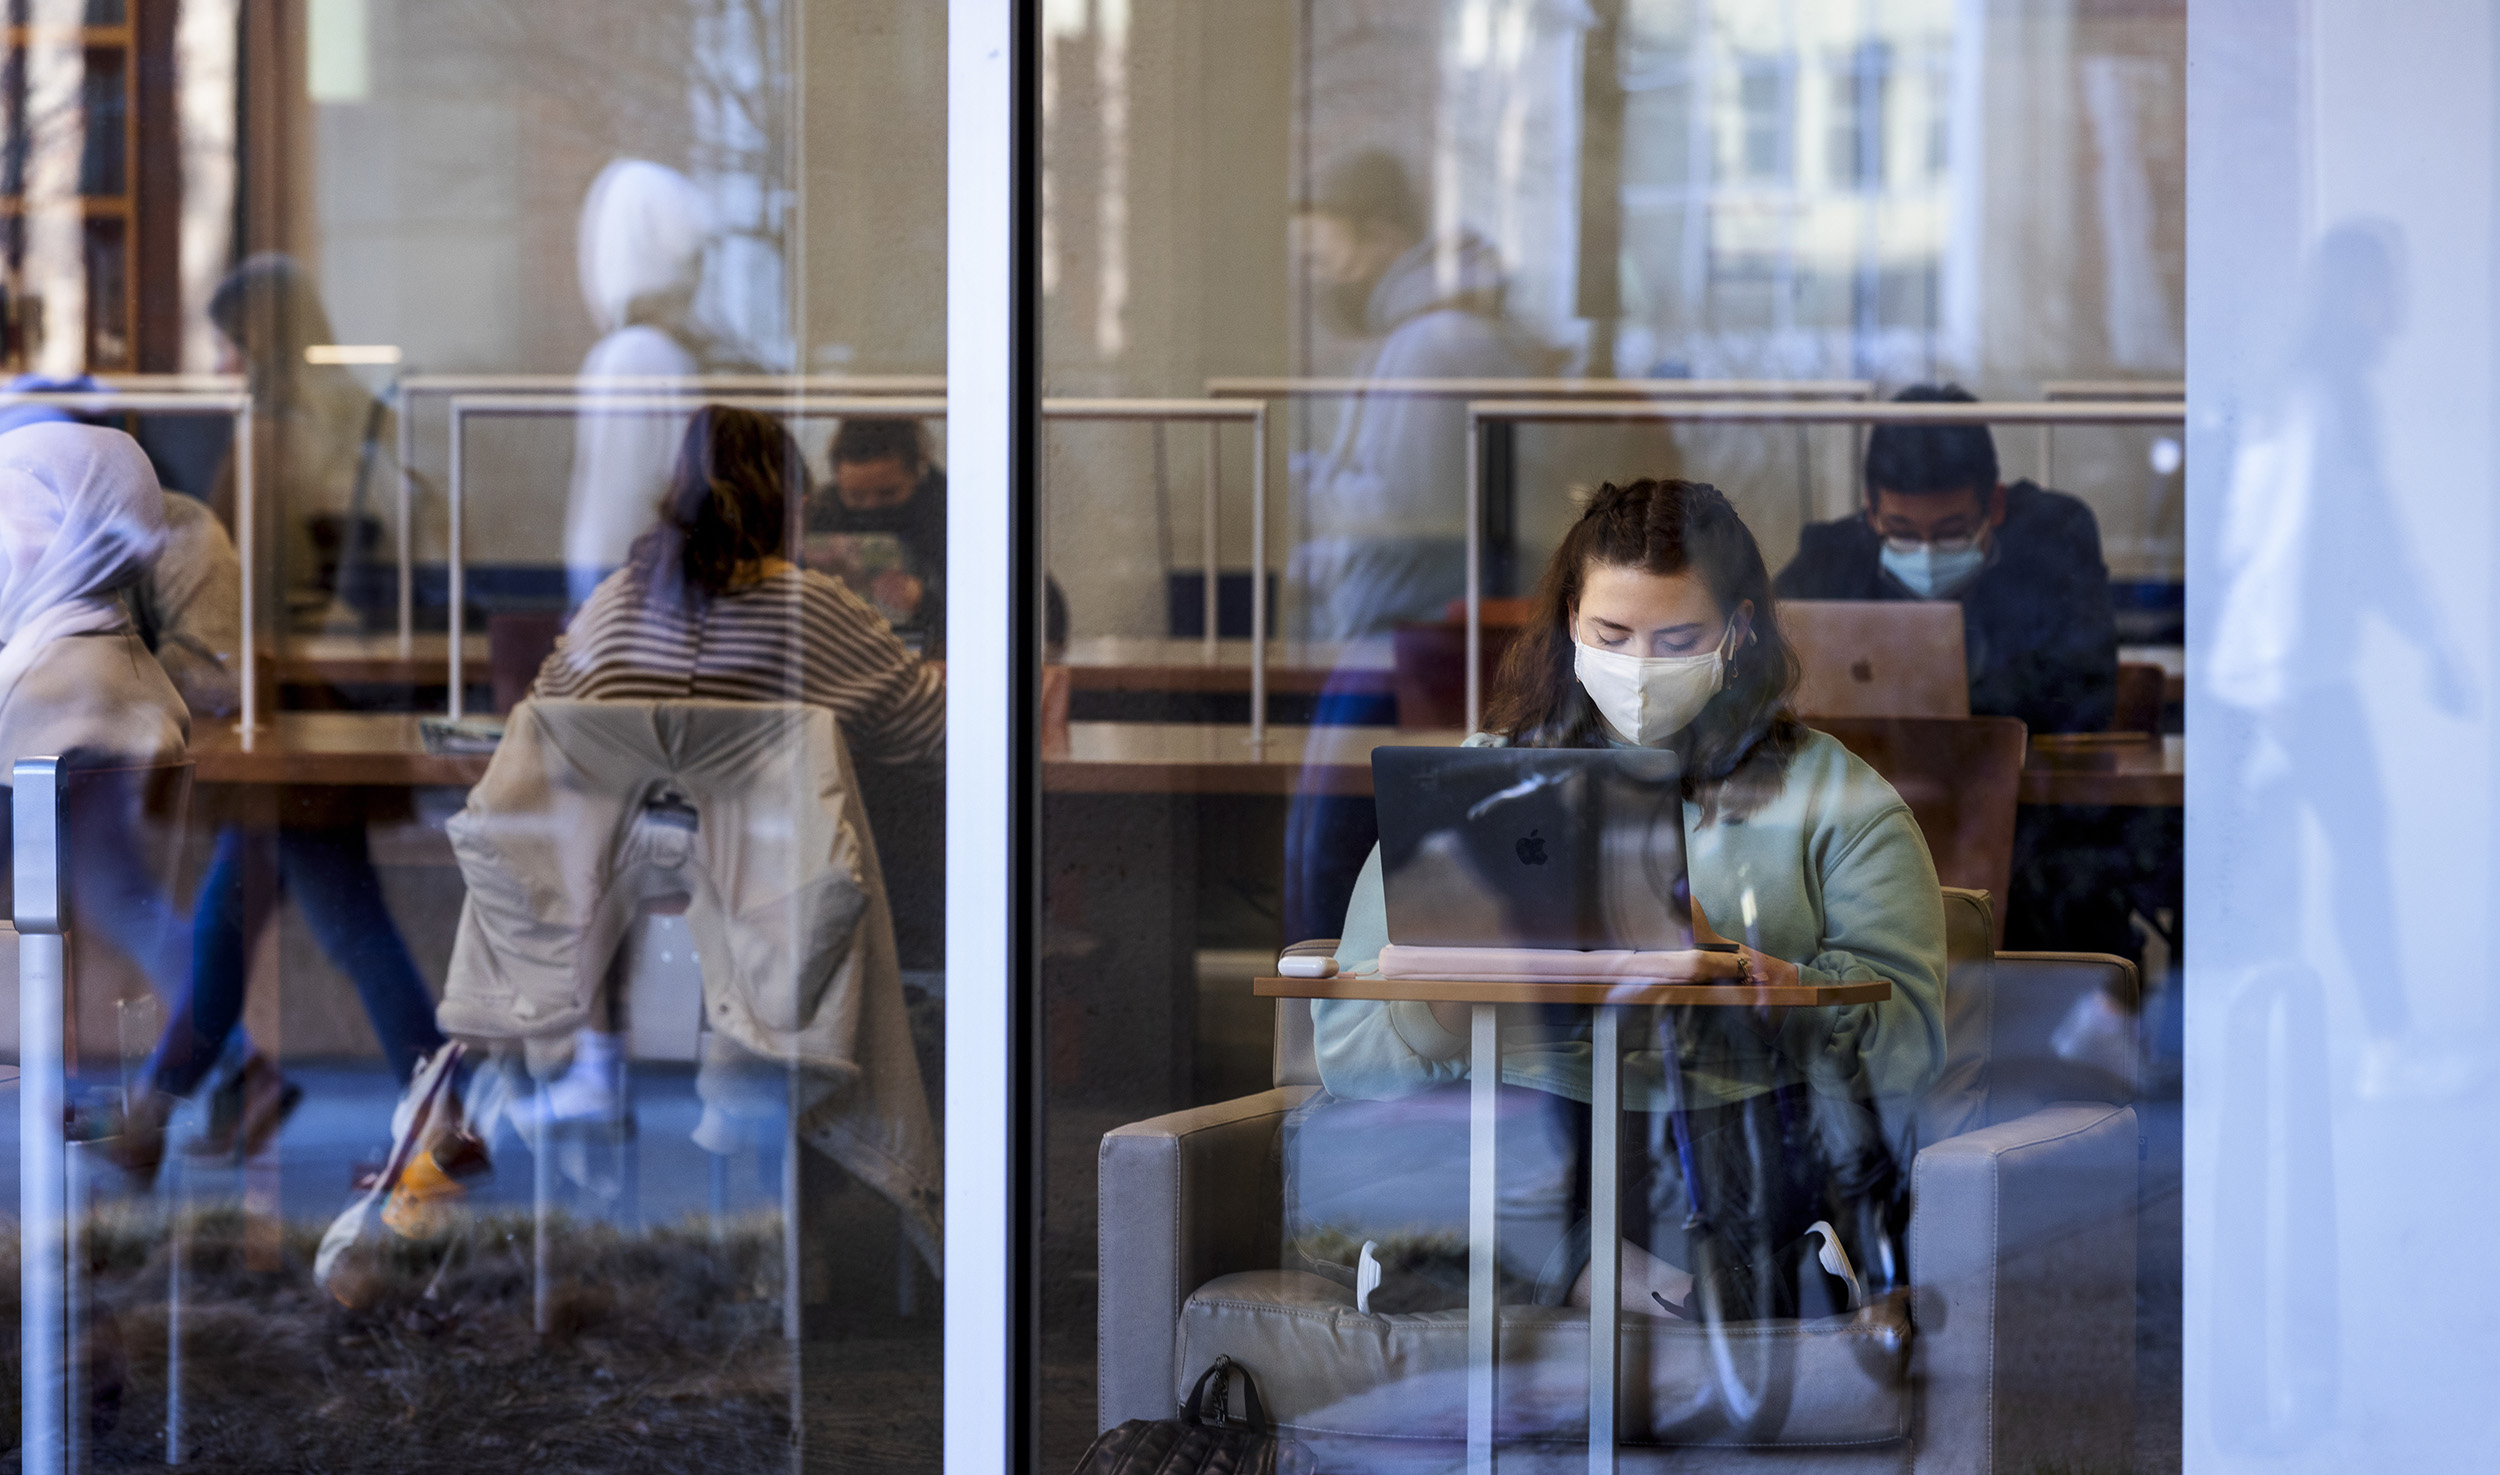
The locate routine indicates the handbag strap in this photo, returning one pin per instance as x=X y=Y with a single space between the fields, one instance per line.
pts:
x=1254 y=1412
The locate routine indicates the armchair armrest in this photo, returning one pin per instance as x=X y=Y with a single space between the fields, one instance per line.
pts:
x=1185 y=1198
x=2022 y=1246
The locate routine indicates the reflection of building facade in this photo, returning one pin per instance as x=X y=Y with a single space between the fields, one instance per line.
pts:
x=1895 y=189
x=1888 y=189
x=1786 y=190
x=90 y=215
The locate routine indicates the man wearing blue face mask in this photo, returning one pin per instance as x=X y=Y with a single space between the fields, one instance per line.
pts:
x=2024 y=562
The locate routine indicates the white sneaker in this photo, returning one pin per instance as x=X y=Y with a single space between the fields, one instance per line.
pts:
x=2410 y=1069
x=588 y=1091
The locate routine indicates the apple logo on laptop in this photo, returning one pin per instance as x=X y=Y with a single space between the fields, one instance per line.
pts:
x=1531 y=850
x=1862 y=669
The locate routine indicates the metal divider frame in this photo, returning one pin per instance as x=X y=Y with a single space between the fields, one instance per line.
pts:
x=1600 y=412
x=1274 y=388
x=2056 y=391
x=236 y=406
x=1213 y=413
x=42 y=915
x=1271 y=388
x=547 y=405
x=413 y=389
x=605 y=400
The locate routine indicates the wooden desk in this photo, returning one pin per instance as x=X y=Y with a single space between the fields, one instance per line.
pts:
x=2138 y=775
x=1630 y=994
x=1605 y=1163
x=377 y=660
x=330 y=749
x=1096 y=663
x=1212 y=758
x=1151 y=664
x=388 y=750
x=1216 y=758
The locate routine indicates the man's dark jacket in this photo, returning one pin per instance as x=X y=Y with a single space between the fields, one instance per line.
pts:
x=2036 y=623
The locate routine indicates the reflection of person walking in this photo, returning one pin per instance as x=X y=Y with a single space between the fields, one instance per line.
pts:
x=644 y=231
x=2310 y=542
x=189 y=611
x=1387 y=503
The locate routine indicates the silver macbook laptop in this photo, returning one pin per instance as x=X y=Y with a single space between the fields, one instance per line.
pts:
x=1533 y=847
x=1878 y=658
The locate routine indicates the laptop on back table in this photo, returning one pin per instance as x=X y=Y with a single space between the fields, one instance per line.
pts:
x=1878 y=658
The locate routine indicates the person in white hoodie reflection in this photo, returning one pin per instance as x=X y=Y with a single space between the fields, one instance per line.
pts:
x=645 y=230
x=1388 y=501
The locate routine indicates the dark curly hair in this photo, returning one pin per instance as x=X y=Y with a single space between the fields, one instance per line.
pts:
x=739 y=483
x=1737 y=750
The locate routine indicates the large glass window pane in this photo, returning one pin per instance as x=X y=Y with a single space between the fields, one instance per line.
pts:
x=1754 y=429
x=477 y=546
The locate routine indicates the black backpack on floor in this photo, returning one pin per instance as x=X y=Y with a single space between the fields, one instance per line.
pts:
x=1195 y=1444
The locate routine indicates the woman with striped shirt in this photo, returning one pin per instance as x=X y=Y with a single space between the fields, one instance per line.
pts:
x=709 y=607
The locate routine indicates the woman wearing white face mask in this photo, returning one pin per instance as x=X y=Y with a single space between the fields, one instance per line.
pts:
x=1654 y=624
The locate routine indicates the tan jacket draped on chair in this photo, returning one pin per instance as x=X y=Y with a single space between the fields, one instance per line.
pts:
x=583 y=817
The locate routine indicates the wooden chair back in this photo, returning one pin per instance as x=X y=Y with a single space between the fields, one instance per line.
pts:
x=1431 y=675
x=2143 y=691
x=517 y=644
x=1961 y=777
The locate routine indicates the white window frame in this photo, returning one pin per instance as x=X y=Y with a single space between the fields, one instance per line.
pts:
x=992 y=768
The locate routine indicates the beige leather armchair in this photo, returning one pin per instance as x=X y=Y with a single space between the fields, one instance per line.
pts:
x=2019 y=1331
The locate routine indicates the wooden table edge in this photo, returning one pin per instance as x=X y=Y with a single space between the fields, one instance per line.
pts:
x=1361 y=681
x=2115 y=788
x=338 y=770
x=1628 y=992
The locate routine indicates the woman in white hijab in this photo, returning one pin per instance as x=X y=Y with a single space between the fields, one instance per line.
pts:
x=80 y=517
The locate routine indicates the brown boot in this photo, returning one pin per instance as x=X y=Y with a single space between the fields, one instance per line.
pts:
x=247 y=1112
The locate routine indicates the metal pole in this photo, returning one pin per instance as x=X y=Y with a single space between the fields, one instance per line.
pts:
x=793 y=1273
x=1820 y=412
x=1208 y=531
x=457 y=495
x=247 y=553
x=42 y=1190
x=407 y=531
x=1475 y=563
x=174 y=1295
x=793 y=1308
x=76 y=1393
x=542 y=1188
x=1605 y=1230
x=1484 y=1068
x=1258 y=578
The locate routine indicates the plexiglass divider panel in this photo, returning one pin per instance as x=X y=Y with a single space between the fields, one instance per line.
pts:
x=524 y=1041
x=1578 y=329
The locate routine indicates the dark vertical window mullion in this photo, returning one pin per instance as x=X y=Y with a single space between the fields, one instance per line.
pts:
x=1028 y=579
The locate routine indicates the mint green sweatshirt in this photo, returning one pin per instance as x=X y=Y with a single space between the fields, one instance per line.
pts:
x=1843 y=887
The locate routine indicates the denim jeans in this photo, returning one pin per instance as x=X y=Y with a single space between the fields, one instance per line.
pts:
x=329 y=871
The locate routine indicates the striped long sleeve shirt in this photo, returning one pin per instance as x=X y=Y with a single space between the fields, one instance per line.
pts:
x=794 y=635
